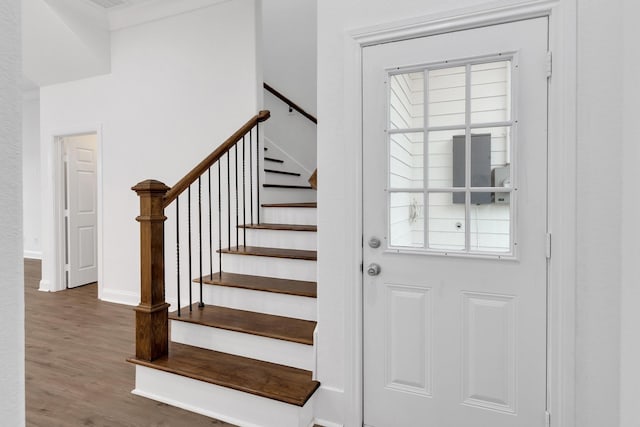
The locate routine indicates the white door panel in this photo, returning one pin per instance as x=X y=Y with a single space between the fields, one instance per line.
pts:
x=82 y=210
x=455 y=176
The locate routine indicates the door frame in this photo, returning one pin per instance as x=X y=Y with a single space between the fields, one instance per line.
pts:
x=55 y=158
x=561 y=216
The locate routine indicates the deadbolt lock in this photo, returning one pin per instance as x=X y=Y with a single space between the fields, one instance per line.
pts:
x=374 y=243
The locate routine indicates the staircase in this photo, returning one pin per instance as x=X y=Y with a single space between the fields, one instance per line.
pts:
x=244 y=353
x=285 y=181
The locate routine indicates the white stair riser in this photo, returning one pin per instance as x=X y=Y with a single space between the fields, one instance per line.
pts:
x=261 y=302
x=286 y=239
x=283 y=268
x=305 y=216
x=287 y=195
x=225 y=404
x=246 y=345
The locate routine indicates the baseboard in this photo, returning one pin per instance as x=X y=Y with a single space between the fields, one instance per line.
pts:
x=32 y=254
x=120 y=297
x=329 y=407
x=45 y=286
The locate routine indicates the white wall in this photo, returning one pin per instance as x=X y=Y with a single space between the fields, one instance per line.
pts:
x=12 y=400
x=599 y=198
x=31 y=194
x=289 y=29
x=178 y=88
x=291 y=132
x=289 y=51
x=630 y=252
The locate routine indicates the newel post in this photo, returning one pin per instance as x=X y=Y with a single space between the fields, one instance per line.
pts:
x=152 y=338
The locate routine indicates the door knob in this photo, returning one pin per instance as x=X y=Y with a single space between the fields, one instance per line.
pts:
x=374 y=242
x=373 y=269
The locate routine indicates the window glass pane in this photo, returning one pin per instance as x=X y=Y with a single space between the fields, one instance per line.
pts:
x=406 y=93
x=446 y=154
x=446 y=97
x=406 y=160
x=446 y=222
x=490 y=226
x=480 y=160
x=491 y=92
x=490 y=157
x=406 y=219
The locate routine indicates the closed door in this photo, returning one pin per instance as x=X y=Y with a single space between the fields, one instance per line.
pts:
x=455 y=234
x=81 y=210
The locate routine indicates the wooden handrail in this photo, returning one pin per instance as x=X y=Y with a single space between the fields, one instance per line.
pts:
x=290 y=103
x=202 y=167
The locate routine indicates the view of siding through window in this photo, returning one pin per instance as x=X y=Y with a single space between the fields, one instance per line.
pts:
x=490 y=100
x=406 y=150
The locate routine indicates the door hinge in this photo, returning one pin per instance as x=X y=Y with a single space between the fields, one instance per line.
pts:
x=548 y=245
x=547 y=419
x=361 y=267
x=549 y=64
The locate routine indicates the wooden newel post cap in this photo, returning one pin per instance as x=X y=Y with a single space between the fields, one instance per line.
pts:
x=150 y=186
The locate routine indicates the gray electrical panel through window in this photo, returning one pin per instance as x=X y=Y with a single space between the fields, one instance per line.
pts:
x=480 y=167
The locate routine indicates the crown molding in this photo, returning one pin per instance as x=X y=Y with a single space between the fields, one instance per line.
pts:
x=459 y=19
x=153 y=10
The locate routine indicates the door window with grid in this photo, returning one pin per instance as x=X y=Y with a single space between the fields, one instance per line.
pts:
x=451 y=141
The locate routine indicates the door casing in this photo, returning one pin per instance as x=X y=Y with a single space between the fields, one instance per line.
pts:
x=561 y=164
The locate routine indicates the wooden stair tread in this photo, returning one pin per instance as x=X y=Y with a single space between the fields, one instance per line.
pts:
x=282 y=172
x=291 y=205
x=261 y=283
x=249 y=322
x=271 y=252
x=287 y=227
x=304 y=187
x=278 y=382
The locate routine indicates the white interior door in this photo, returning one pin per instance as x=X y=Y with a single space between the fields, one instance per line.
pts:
x=455 y=182
x=81 y=210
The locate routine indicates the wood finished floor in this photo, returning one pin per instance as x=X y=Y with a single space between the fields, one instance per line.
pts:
x=76 y=373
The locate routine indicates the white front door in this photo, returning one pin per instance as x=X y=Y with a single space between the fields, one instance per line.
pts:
x=81 y=210
x=455 y=189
